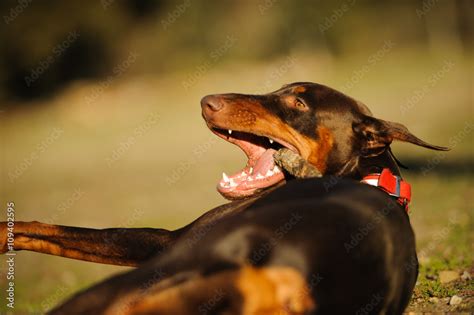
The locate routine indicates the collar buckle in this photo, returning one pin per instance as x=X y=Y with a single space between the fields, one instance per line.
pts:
x=392 y=184
x=397 y=187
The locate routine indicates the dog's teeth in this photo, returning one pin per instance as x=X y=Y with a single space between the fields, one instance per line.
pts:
x=232 y=183
x=243 y=173
x=276 y=169
x=251 y=170
x=229 y=131
x=271 y=140
x=269 y=173
x=224 y=176
x=250 y=178
x=259 y=176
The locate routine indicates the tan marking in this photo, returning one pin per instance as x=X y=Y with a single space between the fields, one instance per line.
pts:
x=319 y=157
x=274 y=290
x=289 y=99
x=299 y=89
x=247 y=291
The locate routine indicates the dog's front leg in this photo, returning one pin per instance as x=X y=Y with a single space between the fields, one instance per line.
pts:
x=116 y=246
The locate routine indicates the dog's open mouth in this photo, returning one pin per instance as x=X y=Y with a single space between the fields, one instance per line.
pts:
x=260 y=171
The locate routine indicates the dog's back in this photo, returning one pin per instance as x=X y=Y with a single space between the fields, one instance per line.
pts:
x=352 y=243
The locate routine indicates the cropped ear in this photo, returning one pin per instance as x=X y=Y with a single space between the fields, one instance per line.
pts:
x=377 y=134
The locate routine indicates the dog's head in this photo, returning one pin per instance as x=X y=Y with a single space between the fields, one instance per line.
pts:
x=322 y=125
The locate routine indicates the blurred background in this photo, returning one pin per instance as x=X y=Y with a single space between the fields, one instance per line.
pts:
x=100 y=121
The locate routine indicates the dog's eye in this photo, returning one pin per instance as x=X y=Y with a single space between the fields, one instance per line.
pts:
x=299 y=104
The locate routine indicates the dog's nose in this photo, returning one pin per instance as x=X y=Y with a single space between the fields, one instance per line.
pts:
x=211 y=103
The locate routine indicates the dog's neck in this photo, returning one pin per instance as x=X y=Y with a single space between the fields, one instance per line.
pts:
x=360 y=167
x=356 y=169
x=369 y=165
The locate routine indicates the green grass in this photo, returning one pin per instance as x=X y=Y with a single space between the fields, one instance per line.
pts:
x=454 y=253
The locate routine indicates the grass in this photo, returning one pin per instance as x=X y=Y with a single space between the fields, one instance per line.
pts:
x=443 y=222
x=179 y=146
x=454 y=253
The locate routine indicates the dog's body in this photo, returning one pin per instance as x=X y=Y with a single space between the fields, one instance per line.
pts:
x=322 y=246
x=300 y=226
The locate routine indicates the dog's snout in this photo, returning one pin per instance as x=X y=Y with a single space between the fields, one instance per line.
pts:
x=211 y=103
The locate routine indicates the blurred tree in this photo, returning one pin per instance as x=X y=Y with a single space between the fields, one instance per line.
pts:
x=178 y=34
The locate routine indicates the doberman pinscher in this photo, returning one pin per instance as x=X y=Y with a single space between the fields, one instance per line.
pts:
x=329 y=245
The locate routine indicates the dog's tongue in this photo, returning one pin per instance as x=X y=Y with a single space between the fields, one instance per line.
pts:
x=264 y=163
x=261 y=174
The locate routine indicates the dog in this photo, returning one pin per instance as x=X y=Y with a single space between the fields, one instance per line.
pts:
x=329 y=245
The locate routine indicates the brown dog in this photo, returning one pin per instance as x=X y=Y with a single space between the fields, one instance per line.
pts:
x=320 y=217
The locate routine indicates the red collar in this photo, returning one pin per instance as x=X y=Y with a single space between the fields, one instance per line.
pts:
x=392 y=184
